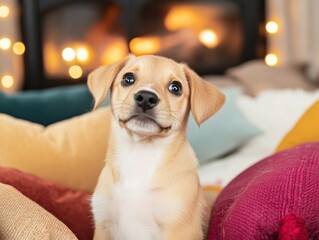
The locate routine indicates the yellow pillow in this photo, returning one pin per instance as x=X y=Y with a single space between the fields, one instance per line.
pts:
x=306 y=130
x=70 y=152
x=21 y=218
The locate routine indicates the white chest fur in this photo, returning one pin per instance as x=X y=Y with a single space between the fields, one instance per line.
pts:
x=137 y=163
x=129 y=210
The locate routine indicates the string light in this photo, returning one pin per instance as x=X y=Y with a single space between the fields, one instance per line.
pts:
x=18 y=48
x=5 y=43
x=68 y=54
x=271 y=59
x=4 y=11
x=7 y=81
x=272 y=27
x=75 y=71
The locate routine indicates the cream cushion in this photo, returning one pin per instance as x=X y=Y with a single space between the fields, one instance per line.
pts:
x=70 y=152
x=21 y=218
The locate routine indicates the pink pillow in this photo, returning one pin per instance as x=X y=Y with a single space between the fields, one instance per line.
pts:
x=69 y=206
x=277 y=198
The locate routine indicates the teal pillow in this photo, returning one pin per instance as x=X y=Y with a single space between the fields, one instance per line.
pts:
x=222 y=133
x=47 y=106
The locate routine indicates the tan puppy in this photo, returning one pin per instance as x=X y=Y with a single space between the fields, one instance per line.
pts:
x=149 y=188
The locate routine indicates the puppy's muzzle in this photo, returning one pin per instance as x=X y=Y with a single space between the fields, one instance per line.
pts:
x=146 y=100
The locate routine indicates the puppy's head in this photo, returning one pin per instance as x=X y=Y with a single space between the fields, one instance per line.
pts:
x=153 y=95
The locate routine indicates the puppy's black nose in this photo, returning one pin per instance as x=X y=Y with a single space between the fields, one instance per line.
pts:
x=146 y=99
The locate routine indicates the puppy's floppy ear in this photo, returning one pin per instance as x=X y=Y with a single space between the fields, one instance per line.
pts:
x=101 y=79
x=205 y=98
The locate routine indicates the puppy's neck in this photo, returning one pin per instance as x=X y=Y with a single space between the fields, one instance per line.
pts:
x=137 y=158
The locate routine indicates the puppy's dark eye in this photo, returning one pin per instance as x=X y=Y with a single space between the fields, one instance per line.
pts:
x=175 y=88
x=128 y=79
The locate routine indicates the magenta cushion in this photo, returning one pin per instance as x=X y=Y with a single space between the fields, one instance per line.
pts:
x=276 y=189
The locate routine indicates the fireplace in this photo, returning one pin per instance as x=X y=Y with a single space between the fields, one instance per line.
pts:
x=66 y=39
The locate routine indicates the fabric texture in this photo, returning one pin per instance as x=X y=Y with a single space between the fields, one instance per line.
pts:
x=293 y=227
x=255 y=204
x=21 y=218
x=70 y=152
x=223 y=133
x=47 y=106
x=306 y=130
x=69 y=206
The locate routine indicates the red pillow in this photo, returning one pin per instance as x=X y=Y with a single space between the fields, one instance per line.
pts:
x=277 y=198
x=69 y=206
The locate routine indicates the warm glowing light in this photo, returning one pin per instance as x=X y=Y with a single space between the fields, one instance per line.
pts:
x=271 y=59
x=4 y=11
x=18 y=48
x=7 y=81
x=68 y=54
x=145 y=45
x=114 y=52
x=272 y=27
x=75 y=71
x=180 y=17
x=82 y=54
x=5 y=43
x=208 y=38
x=52 y=61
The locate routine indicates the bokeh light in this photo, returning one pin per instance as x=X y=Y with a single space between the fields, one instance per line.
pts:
x=18 y=48
x=114 y=52
x=82 y=54
x=68 y=54
x=272 y=27
x=7 y=81
x=271 y=59
x=208 y=38
x=5 y=43
x=180 y=17
x=145 y=45
x=4 y=11
x=75 y=72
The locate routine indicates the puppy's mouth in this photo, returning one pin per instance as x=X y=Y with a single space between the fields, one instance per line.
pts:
x=144 y=122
